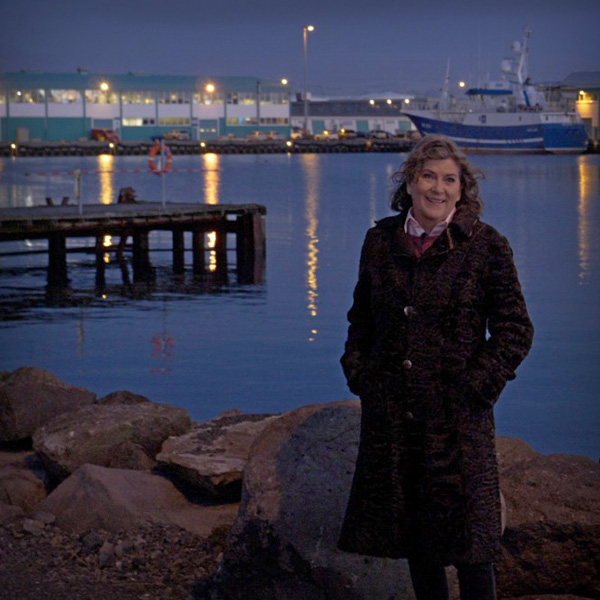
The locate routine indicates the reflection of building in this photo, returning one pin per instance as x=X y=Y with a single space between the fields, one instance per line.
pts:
x=69 y=106
x=360 y=114
x=585 y=86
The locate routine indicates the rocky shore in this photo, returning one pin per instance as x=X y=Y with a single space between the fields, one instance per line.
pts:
x=122 y=498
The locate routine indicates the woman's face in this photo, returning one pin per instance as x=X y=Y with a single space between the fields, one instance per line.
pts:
x=435 y=192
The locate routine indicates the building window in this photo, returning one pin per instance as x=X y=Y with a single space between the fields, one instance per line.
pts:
x=101 y=97
x=274 y=121
x=138 y=97
x=246 y=98
x=208 y=98
x=137 y=122
x=173 y=97
x=237 y=121
x=275 y=98
x=64 y=96
x=171 y=121
x=27 y=96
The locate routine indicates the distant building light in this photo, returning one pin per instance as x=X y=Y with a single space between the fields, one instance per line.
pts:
x=284 y=81
x=104 y=86
x=389 y=101
x=406 y=101
x=461 y=84
x=371 y=102
x=210 y=88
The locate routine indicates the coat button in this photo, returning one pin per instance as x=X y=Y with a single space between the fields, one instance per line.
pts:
x=409 y=311
x=407 y=364
x=409 y=416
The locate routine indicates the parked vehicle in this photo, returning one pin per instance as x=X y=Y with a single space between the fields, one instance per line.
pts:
x=378 y=134
x=326 y=135
x=347 y=134
x=105 y=135
x=177 y=134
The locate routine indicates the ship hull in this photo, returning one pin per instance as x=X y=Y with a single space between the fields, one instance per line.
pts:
x=506 y=132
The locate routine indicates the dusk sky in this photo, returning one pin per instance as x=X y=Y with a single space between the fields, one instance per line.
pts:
x=357 y=47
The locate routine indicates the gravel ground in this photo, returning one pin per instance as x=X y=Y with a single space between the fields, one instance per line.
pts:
x=157 y=562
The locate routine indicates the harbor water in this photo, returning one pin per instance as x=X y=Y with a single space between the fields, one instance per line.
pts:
x=275 y=345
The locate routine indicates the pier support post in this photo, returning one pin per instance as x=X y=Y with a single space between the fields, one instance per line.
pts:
x=178 y=252
x=57 y=261
x=198 y=251
x=250 y=248
x=142 y=270
x=100 y=266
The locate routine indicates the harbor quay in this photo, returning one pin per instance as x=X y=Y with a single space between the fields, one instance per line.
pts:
x=220 y=146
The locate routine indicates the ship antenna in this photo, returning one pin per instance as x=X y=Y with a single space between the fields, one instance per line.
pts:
x=445 y=89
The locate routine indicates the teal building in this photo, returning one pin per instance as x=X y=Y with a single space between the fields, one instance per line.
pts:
x=137 y=106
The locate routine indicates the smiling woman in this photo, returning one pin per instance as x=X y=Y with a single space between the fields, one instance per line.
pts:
x=437 y=328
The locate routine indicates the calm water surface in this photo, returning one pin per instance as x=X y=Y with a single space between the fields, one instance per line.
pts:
x=275 y=346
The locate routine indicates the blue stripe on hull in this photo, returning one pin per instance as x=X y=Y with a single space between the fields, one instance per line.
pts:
x=518 y=138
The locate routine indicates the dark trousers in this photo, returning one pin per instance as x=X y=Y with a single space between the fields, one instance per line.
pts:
x=476 y=581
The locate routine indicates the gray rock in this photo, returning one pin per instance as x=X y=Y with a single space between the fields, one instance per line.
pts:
x=9 y=513
x=115 y=435
x=106 y=555
x=123 y=397
x=33 y=527
x=551 y=543
x=98 y=498
x=30 y=397
x=283 y=543
x=20 y=487
x=210 y=459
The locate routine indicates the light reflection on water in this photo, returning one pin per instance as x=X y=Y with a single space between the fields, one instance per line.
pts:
x=275 y=346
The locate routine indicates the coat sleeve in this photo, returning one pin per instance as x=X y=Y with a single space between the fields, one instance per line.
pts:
x=509 y=327
x=360 y=331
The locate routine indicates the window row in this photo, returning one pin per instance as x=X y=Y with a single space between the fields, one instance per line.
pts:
x=39 y=96
x=163 y=122
x=233 y=121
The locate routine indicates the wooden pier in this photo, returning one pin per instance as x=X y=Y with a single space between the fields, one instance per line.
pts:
x=137 y=220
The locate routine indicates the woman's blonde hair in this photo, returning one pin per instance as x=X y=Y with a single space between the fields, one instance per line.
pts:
x=437 y=147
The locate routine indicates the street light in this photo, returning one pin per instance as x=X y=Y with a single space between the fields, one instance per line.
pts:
x=305 y=31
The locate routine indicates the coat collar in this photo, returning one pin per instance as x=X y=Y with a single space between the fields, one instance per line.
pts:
x=461 y=227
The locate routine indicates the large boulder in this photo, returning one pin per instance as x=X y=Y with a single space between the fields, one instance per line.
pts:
x=552 y=539
x=110 y=435
x=283 y=543
x=210 y=459
x=114 y=500
x=30 y=397
x=20 y=487
x=295 y=488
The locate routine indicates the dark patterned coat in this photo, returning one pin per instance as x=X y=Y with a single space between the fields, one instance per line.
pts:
x=428 y=375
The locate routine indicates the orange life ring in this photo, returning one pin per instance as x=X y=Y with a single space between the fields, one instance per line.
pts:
x=155 y=151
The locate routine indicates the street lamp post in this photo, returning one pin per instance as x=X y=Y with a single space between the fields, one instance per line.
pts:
x=305 y=31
